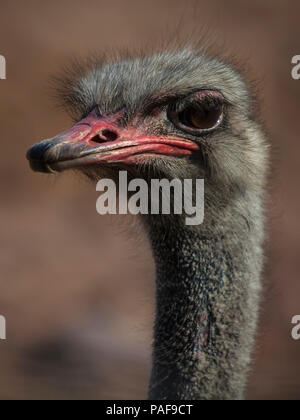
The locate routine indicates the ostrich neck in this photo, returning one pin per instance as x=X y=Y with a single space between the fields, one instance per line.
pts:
x=206 y=309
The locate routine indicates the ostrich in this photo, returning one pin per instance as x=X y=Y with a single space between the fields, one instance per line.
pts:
x=181 y=114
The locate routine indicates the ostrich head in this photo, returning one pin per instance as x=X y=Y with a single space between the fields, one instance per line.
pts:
x=171 y=115
x=181 y=115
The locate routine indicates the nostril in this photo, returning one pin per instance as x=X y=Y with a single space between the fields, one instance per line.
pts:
x=109 y=135
x=98 y=139
x=105 y=135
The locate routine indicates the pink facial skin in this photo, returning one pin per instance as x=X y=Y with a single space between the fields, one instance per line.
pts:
x=99 y=139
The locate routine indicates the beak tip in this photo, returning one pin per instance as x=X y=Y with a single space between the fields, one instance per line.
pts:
x=36 y=156
x=38 y=151
x=37 y=166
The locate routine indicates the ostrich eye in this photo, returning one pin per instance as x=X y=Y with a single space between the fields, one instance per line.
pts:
x=199 y=118
x=198 y=113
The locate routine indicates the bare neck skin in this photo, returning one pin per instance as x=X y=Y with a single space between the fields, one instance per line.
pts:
x=207 y=299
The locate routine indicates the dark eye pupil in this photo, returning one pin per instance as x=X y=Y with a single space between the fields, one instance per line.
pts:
x=199 y=117
x=198 y=113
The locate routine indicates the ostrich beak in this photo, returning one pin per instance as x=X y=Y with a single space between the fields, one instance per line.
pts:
x=96 y=140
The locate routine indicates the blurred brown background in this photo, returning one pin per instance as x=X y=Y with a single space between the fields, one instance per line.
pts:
x=76 y=288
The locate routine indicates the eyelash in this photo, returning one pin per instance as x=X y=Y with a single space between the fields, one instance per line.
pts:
x=207 y=101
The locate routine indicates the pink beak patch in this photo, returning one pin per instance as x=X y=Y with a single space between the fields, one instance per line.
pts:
x=97 y=139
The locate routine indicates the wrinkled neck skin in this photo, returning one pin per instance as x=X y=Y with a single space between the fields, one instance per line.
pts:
x=207 y=296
